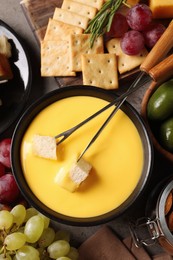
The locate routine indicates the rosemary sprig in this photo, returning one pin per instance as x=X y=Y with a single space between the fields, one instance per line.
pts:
x=101 y=23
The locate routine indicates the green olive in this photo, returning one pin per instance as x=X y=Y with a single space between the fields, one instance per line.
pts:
x=160 y=105
x=166 y=134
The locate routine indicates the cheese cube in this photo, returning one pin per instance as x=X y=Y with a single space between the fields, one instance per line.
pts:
x=161 y=9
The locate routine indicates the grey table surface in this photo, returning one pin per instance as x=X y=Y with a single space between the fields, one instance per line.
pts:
x=11 y=13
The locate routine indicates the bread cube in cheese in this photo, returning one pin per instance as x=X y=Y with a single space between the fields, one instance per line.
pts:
x=71 y=178
x=44 y=146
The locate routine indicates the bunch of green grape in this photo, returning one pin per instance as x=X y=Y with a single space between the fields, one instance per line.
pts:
x=25 y=234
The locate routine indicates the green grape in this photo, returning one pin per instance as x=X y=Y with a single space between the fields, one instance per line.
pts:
x=41 y=250
x=6 y=219
x=62 y=235
x=21 y=229
x=58 y=248
x=43 y=253
x=34 y=228
x=47 y=237
x=27 y=253
x=19 y=213
x=5 y=257
x=63 y=258
x=73 y=253
x=45 y=219
x=30 y=212
x=15 y=241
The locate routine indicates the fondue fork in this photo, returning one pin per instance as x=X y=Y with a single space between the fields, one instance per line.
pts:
x=117 y=100
x=149 y=68
x=161 y=72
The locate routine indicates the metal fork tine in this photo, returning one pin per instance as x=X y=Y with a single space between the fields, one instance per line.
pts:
x=100 y=130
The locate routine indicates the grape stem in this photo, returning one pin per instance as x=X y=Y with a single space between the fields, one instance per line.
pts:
x=101 y=23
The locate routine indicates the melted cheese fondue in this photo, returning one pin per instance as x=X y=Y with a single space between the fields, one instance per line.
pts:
x=116 y=157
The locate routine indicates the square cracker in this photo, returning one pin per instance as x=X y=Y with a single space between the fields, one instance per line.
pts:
x=82 y=9
x=80 y=44
x=59 y=30
x=55 y=58
x=95 y=3
x=100 y=70
x=70 y=18
x=125 y=62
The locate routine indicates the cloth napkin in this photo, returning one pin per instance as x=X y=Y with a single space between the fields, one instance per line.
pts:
x=106 y=245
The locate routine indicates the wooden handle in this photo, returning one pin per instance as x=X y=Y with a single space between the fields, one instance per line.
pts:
x=162 y=71
x=160 y=49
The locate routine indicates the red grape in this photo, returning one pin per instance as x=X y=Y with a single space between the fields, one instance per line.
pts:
x=2 y=169
x=132 y=42
x=118 y=27
x=153 y=33
x=5 y=146
x=139 y=17
x=9 y=190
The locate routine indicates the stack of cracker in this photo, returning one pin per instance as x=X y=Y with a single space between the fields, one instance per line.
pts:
x=66 y=50
x=66 y=21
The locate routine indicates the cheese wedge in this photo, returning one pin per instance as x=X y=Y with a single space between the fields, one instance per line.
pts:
x=5 y=68
x=5 y=46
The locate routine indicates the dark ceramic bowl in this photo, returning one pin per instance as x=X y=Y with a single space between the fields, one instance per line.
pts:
x=27 y=118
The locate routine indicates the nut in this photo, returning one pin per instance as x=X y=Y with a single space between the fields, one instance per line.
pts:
x=168 y=204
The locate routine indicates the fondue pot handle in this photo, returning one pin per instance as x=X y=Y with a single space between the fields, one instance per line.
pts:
x=144 y=232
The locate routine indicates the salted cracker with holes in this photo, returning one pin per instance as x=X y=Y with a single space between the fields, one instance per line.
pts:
x=80 y=44
x=55 y=58
x=70 y=18
x=79 y=8
x=100 y=70
x=95 y=3
x=125 y=62
x=58 y=30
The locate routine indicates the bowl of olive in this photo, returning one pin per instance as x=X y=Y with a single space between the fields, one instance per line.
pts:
x=157 y=110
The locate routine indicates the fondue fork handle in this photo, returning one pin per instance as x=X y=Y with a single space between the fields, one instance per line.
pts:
x=131 y=89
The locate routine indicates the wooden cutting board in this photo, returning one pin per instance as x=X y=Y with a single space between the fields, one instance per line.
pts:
x=37 y=13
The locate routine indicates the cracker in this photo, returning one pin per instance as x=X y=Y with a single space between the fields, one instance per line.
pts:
x=125 y=62
x=94 y=3
x=82 y=9
x=55 y=58
x=100 y=70
x=70 y=18
x=80 y=44
x=59 y=30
